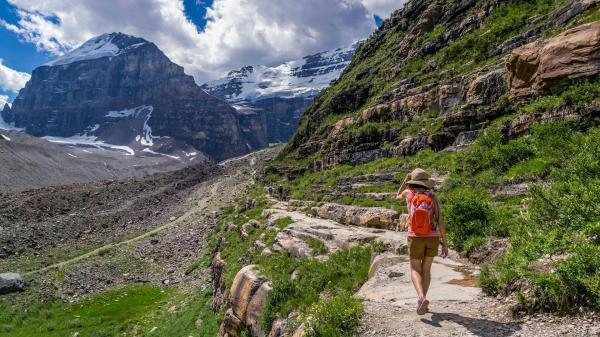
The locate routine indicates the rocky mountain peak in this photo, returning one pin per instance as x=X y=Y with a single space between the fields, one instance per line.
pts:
x=121 y=91
x=105 y=45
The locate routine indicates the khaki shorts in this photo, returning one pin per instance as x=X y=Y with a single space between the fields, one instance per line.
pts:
x=419 y=247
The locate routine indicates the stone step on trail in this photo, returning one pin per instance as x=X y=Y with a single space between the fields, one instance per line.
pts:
x=390 y=282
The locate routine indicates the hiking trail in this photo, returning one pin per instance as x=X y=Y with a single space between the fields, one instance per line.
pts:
x=457 y=307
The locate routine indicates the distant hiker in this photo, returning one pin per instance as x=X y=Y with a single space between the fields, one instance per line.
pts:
x=270 y=191
x=425 y=219
x=280 y=192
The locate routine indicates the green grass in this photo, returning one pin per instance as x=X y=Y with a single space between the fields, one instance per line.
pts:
x=563 y=219
x=334 y=317
x=317 y=246
x=282 y=223
x=192 y=318
x=343 y=272
x=109 y=313
x=578 y=94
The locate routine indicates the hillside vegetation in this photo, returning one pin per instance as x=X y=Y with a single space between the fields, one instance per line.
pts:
x=435 y=87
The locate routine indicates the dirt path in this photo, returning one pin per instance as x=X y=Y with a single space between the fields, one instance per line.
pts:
x=458 y=308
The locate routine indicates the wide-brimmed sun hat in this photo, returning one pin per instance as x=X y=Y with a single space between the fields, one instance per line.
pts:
x=420 y=177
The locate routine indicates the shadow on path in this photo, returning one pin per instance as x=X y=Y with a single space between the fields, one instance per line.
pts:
x=478 y=326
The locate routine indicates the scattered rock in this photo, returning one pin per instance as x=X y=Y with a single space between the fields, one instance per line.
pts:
x=486 y=88
x=11 y=282
x=279 y=328
x=490 y=251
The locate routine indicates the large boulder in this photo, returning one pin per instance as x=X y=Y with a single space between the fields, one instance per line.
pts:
x=255 y=309
x=245 y=284
x=11 y=282
x=544 y=64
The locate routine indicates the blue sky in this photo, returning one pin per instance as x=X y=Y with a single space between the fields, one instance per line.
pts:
x=233 y=33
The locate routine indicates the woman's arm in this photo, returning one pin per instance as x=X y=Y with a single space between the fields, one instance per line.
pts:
x=401 y=195
x=442 y=229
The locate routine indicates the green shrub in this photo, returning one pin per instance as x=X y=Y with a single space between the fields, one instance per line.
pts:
x=345 y=270
x=467 y=215
x=335 y=317
x=561 y=229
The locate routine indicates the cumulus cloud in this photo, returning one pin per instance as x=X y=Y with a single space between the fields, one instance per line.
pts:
x=237 y=33
x=3 y=100
x=12 y=80
x=382 y=8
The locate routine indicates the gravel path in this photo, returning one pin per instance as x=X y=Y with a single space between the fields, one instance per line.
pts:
x=457 y=308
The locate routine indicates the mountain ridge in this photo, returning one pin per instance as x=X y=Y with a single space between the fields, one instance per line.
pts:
x=74 y=95
x=282 y=92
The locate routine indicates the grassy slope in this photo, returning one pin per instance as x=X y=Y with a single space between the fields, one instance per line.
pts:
x=473 y=213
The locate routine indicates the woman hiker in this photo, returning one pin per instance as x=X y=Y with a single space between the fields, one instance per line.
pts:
x=426 y=225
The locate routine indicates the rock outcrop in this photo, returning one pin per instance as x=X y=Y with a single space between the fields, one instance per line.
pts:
x=359 y=216
x=546 y=64
x=249 y=292
x=123 y=90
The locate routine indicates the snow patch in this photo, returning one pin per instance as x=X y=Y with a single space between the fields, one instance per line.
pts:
x=147 y=150
x=7 y=126
x=89 y=141
x=146 y=138
x=72 y=155
x=95 y=48
x=5 y=137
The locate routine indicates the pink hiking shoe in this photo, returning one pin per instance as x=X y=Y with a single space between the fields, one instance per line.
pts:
x=422 y=306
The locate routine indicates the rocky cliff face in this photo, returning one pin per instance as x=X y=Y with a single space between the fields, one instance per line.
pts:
x=438 y=72
x=283 y=92
x=123 y=90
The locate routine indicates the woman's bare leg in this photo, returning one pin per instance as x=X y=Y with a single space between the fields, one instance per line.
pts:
x=416 y=276
x=426 y=273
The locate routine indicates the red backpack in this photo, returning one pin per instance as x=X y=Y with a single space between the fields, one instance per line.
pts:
x=421 y=213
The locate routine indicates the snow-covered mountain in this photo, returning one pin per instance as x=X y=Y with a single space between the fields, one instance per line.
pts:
x=280 y=93
x=122 y=92
x=298 y=78
x=105 y=45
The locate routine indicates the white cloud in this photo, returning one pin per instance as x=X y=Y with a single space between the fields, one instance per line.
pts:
x=3 y=100
x=12 y=80
x=382 y=8
x=238 y=32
